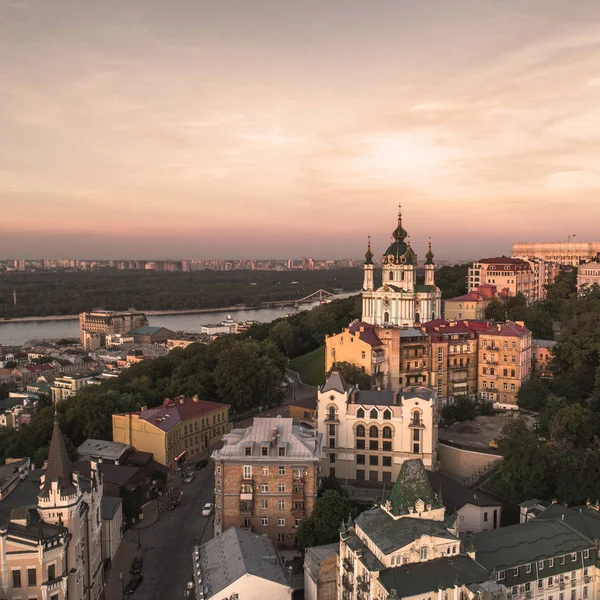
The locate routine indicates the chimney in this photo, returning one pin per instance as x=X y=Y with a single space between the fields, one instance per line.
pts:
x=195 y=398
x=554 y=501
x=181 y=399
x=274 y=437
x=166 y=402
x=520 y=323
x=499 y=326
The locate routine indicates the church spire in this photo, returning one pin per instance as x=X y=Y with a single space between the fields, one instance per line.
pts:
x=368 y=254
x=429 y=255
x=399 y=233
x=59 y=463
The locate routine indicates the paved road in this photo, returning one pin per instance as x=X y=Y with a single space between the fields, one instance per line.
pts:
x=167 y=544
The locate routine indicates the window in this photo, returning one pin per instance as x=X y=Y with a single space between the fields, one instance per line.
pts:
x=387 y=433
x=265 y=470
x=281 y=504
x=331 y=442
x=387 y=415
x=51 y=572
x=281 y=451
x=373 y=445
x=360 y=459
x=264 y=504
x=360 y=413
x=373 y=413
x=540 y=584
x=332 y=430
x=248 y=450
x=360 y=444
x=485 y=517
x=247 y=471
x=516 y=572
x=281 y=488
x=332 y=415
x=551 y=563
x=515 y=590
x=500 y=576
x=264 y=488
x=360 y=431
x=16 y=579
x=247 y=522
x=281 y=522
x=363 y=355
x=424 y=553
x=282 y=470
x=218 y=469
x=373 y=431
x=374 y=460
x=264 y=521
x=528 y=569
x=550 y=581
x=585 y=592
x=332 y=458
x=296 y=521
x=387 y=446
x=586 y=554
x=31 y=577
x=265 y=451
x=387 y=461
x=574 y=556
x=562 y=560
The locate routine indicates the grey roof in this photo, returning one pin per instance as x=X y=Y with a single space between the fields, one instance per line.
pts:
x=298 y=442
x=59 y=464
x=411 y=332
x=586 y=519
x=527 y=543
x=336 y=383
x=534 y=502
x=316 y=555
x=390 y=534
x=109 y=506
x=422 y=577
x=102 y=449
x=387 y=398
x=543 y=343
x=235 y=553
x=367 y=558
x=455 y=495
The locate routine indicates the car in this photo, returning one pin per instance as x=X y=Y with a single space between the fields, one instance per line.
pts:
x=133 y=584
x=174 y=502
x=189 y=478
x=207 y=510
x=136 y=565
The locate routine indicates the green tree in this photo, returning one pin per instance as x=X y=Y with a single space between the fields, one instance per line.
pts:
x=352 y=374
x=533 y=395
x=282 y=335
x=462 y=409
x=452 y=280
x=574 y=426
x=322 y=527
x=495 y=310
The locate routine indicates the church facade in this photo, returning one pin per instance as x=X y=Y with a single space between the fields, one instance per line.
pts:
x=400 y=301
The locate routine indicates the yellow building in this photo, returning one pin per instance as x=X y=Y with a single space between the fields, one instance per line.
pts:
x=180 y=428
x=504 y=362
x=471 y=306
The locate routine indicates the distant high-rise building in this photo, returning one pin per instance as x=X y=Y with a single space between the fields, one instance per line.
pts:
x=564 y=253
x=94 y=326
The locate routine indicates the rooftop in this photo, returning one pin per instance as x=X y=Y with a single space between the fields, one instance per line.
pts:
x=316 y=555
x=387 y=398
x=412 y=484
x=273 y=434
x=366 y=332
x=235 y=553
x=503 y=260
x=113 y=474
x=455 y=495
x=543 y=343
x=102 y=449
x=145 y=330
x=109 y=506
x=509 y=328
x=336 y=383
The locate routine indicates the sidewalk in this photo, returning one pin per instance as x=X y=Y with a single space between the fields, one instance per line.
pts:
x=151 y=512
x=121 y=564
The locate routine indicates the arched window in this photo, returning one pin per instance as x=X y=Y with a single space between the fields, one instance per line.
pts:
x=387 y=415
x=424 y=553
x=386 y=317
x=387 y=433
x=360 y=431
x=360 y=413
x=402 y=276
x=416 y=418
x=332 y=411
x=373 y=431
x=391 y=275
x=373 y=413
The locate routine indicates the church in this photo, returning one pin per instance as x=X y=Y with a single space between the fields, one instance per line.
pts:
x=400 y=300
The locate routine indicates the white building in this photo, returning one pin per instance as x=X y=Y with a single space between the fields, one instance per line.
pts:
x=367 y=435
x=563 y=253
x=68 y=385
x=588 y=274
x=242 y=565
x=400 y=300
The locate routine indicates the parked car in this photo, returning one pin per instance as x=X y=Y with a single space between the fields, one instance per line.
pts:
x=201 y=464
x=175 y=501
x=207 y=510
x=136 y=565
x=189 y=478
x=133 y=584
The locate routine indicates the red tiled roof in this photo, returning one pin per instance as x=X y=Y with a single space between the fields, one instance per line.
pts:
x=439 y=328
x=179 y=409
x=504 y=260
x=366 y=332
x=33 y=368
x=509 y=328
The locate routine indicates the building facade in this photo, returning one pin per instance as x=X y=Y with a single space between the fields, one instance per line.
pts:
x=563 y=253
x=511 y=276
x=400 y=301
x=266 y=479
x=505 y=361
x=94 y=326
x=367 y=435
x=542 y=353
x=68 y=385
x=182 y=428
x=471 y=306
x=588 y=275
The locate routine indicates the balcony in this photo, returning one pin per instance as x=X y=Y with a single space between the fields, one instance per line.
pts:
x=246 y=508
x=246 y=494
x=299 y=512
x=297 y=494
x=458 y=367
x=378 y=358
x=348 y=566
x=363 y=583
x=332 y=418
x=347 y=583
x=416 y=424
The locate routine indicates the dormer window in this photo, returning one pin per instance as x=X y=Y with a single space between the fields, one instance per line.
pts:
x=265 y=451
x=248 y=451
x=373 y=413
x=424 y=553
x=282 y=451
x=360 y=413
x=387 y=415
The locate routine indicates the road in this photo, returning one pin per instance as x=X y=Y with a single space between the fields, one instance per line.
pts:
x=167 y=544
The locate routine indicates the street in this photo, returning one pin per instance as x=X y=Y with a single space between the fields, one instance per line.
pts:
x=167 y=544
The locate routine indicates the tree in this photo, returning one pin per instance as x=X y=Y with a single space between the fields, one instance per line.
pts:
x=462 y=409
x=282 y=335
x=533 y=395
x=495 y=310
x=523 y=470
x=574 y=426
x=452 y=280
x=322 y=527
x=352 y=374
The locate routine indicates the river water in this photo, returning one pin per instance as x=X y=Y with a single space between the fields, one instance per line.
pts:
x=20 y=332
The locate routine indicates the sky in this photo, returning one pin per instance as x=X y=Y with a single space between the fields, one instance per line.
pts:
x=278 y=128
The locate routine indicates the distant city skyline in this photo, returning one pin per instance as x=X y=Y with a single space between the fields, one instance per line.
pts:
x=279 y=129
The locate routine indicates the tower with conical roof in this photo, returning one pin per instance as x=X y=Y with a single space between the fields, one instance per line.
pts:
x=368 y=284
x=429 y=266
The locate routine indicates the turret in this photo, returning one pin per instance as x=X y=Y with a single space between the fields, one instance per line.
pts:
x=368 y=284
x=429 y=267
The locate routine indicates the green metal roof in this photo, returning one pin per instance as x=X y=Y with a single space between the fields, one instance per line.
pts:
x=145 y=330
x=424 y=288
x=411 y=485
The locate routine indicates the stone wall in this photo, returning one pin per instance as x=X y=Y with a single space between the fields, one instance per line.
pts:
x=463 y=464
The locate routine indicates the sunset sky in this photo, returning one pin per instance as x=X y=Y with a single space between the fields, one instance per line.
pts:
x=280 y=128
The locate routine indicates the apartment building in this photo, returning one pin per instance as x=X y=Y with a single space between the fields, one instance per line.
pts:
x=544 y=274
x=511 y=276
x=266 y=479
x=453 y=357
x=408 y=547
x=68 y=385
x=542 y=352
x=588 y=274
x=50 y=532
x=504 y=363
x=367 y=435
x=182 y=428
x=470 y=306
x=563 y=253
x=94 y=326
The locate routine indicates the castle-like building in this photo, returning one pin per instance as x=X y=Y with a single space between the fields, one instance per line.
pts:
x=400 y=300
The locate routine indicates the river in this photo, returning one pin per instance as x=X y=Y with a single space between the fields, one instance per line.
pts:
x=17 y=333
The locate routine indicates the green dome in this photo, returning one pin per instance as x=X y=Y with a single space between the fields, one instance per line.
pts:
x=399 y=253
x=429 y=255
x=399 y=233
x=369 y=254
